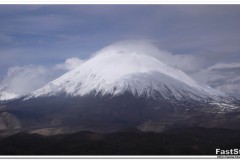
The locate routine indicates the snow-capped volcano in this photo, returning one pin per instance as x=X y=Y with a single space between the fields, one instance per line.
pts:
x=116 y=69
x=119 y=87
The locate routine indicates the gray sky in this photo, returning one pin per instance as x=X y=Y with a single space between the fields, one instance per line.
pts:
x=44 y=38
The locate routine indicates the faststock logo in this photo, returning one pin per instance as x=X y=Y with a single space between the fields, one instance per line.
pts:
x=228 y=153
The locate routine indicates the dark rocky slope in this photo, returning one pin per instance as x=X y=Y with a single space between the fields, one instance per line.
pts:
x=184 y=141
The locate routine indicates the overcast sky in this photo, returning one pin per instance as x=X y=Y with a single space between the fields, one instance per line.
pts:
x=48 y=40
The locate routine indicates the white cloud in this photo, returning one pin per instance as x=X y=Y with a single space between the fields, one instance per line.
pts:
x=224 y=66
x=222 y=76
x=187 y=63
x=22 y=80
x=69 y=64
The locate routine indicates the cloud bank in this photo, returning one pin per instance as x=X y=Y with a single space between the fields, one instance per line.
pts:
x=222 y=76
x=22 y=80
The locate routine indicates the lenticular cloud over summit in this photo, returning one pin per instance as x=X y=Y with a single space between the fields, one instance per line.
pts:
x=143 y=47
